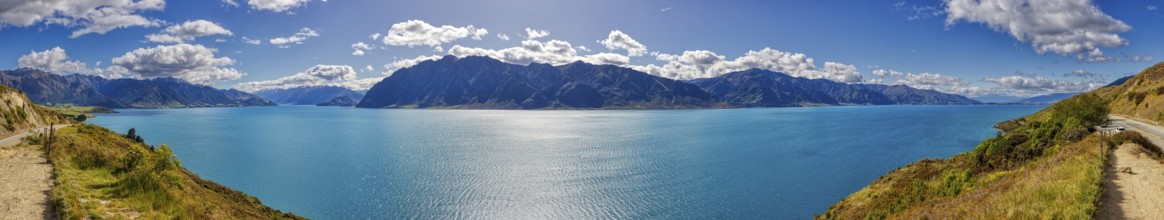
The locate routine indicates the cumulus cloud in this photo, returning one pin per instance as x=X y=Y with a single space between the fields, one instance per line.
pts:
x=1064 y=27
x=369 y=68
x=398 y=64
x=1033 y=84
x=193 y=63
x=359 y=48
x=317 y=75
x=620 y=41
x=89 y=16
x=704 y=64
x=180 y=33
x=503 y=37
x=531 y=33
x=419 y=33
x=55 y=60
x=297 y=38
x=275 y=5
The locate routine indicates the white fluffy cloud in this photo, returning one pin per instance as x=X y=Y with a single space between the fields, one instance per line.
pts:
x=531 y=33
x=275 y=5
x=419 y=33
x=94 y=16
x=555 y=52
x=703 y=64
x=1034 y=84
x=1065 y=27
x=56 y=61
x=359 y=48
x=251 y=41
x=503 y=37
x=620 y=41
x=193 y=63
x=187 y=31
x=405 y=63
x=297 y=38
x=317 y=75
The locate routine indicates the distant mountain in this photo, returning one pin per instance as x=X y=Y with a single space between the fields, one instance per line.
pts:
x=480 y=82
x=49 y=89
x=1119 y=81
x=1045 y=99
x=905 y=95
x=996 y=98
x=763 y=88
x=308 y=95
x=339 y=101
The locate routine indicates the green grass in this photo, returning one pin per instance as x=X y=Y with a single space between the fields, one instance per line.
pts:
x=103 y=175
x=1047 y=165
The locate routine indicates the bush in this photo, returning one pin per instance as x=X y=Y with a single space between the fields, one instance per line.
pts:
x=1135 y=138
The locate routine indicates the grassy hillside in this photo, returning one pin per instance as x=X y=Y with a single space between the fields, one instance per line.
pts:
x=1141 y=97
x=19 y=113
x=1047 y=165
x=104 y=175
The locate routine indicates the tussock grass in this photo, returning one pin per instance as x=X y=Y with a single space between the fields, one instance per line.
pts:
x=1047 y=165
x=104 y=175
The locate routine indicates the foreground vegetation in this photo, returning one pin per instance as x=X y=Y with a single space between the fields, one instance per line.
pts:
x=1047 y=165
x=104 y=175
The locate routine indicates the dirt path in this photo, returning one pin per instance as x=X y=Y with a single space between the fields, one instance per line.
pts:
x=1134 y=185
x=25 y=180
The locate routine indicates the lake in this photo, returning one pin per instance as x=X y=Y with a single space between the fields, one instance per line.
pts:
x=757 y=163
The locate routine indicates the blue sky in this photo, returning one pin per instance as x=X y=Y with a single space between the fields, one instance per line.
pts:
x=957 y=46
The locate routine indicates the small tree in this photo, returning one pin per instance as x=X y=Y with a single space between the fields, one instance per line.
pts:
x=132 y=134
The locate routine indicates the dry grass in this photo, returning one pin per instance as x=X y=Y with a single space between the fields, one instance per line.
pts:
x=103 y=175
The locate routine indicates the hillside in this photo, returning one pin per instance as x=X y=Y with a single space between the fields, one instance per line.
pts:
x=85 y=90
x=762 y=88
x=21 y=114
x=1140 y=97
x=1047 y=165
x=480 y=82
x=309 y=95
x=99 y=174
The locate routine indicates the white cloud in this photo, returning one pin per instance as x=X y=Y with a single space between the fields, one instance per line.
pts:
x=398 y=64
x=704 y=64
x=297 y=38
x=193 y=63
x=90 y=16
x=180 y=33
x=554 y=52
x=531 y=33
x=230 y=2
x=582 y=48
x=620 y=41
x=276 y=5
x=1151 y=8
x=57 y=61
x=1064 y=27
x=419 y=33
x=219 y=40
x=503 y=37
x=369 y=68
x=1028 y=84
x=251 y=41
x=668 y=8
x=317 y=75
x=359 y=48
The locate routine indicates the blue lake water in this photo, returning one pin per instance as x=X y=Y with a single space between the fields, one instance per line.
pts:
x=762 y=163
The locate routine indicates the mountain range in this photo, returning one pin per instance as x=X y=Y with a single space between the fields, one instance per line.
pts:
x=308 y=95
x=481 y=82
x=1045 y=99
x=87 y=90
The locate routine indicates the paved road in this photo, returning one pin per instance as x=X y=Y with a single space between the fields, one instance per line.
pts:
x=15 y=139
